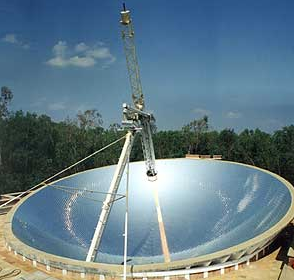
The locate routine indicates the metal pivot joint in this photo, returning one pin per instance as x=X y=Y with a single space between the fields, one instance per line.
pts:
x=141 y=122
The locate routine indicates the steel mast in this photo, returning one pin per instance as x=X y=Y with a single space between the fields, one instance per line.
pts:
x=135 y=120
x=136 y=117
x=131 y=57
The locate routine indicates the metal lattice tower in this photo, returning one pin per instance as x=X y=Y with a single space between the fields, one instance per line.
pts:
x=135 y=120
x=131 y=57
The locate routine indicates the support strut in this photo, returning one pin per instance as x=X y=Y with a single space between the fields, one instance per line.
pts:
x=110 y=197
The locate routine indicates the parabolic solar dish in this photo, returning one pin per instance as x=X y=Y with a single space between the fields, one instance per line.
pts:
x=207 y=206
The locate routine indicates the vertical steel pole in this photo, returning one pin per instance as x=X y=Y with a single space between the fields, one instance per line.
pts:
x=126 y=220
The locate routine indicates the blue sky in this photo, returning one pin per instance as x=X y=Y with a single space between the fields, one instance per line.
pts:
x=232 y=60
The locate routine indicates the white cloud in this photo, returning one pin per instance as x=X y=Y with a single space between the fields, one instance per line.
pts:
x=87 y=56
x=12 y=39
x=57 y=62
x=57 y=106
x=201 y=111
x=81 y=47
x=99 y=52
x=82 y=61
x=233 y=115
x=59 y=49
x=109 y=62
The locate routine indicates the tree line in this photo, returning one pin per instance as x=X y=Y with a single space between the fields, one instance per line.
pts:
x=33 y=147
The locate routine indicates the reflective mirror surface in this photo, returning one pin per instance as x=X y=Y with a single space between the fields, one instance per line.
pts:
x=206 y=205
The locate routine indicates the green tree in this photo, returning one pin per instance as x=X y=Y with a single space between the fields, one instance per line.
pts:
x=284 y=143
x=193 y=130
x=227 y=141
x=256 y=148
x=28 y=149
x=34 y=147
x=5 y=99
x=89 y=119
